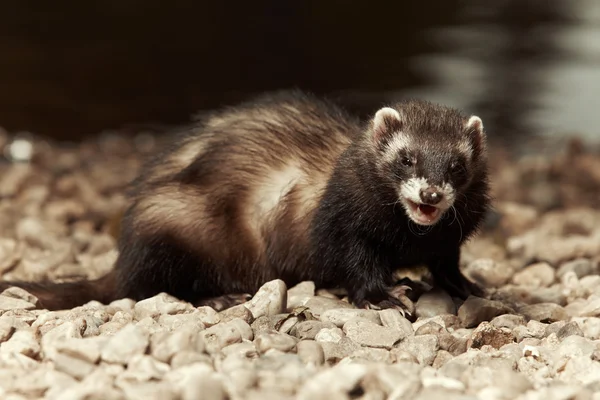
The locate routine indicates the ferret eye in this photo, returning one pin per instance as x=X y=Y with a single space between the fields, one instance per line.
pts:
x=407 y=162
x=455 y=167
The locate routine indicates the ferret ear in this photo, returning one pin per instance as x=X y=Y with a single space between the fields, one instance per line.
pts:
x=474 y=126
x=386 y=121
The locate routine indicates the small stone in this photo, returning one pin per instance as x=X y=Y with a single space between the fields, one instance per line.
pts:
x=441 y=358
x=196 y=381
x=332 y=335
x=207 y=315
x=367 y=333
x=591 y=307
x=262 y=324
x=430 y=328
x=11 y=303
x=187 y=357
x=511 y=383
x=85 y=349
x=424 y=348
x=334 y=352
x=60 y=334
x=319 y=304
x=580 y=266
x=309 y=329
x=174 y=322
x=162 y=303
x=489 y=272
x=19 y=293
x=488 y=334
x=434 y=302
x=371 y=354
x=339 y=316
x=403 y=356
x=164 y=345
x=151 y=390
x=569 y=329
x=126 y=343
x=341 y=378
x=517 y=218
x=270 y=299
x=75 y=367
x=552 y=294
x=280 y=341
x=476 y=310
x=7 y=328
x=509 y=321
x=431 y=378
x=143 y=368
x=544 y=312
x=223 y=334
x=298 y=295
x=310 y=352
x=123 y=305
x=288 y=324
x=240 y=311
x=535 y=275
x=243 y=350
x=22 y=342
x=392 y=319
x=452 y=343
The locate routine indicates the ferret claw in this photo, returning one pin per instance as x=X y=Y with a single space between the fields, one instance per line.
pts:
x=396 y=300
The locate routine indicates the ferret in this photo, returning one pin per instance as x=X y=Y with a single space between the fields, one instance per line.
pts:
x=291 y=186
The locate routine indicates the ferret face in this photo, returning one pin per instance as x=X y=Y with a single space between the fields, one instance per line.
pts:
x=429 y=155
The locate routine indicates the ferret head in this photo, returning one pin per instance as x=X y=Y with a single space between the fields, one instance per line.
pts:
x=428 y=155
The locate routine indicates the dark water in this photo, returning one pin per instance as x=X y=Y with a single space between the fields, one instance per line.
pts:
x=527 y=67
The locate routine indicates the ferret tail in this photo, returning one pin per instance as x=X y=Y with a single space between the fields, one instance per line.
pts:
x=65 y=295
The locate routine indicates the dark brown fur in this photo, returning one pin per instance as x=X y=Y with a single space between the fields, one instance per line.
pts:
x=198 y=228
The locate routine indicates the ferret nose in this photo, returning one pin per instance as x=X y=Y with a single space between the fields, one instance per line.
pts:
x=431 y=196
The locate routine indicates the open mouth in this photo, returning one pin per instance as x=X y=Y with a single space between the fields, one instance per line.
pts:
x=423 y=214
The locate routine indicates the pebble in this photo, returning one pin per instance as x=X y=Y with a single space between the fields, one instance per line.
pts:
x=126 y=343
x=424 y=348
x=393 y=319
x=368 y=333
x=269 y=300
x=22 y=342
x=221 y=335
x=490 y=272
x=310 y=352
x=581 y=267
x=298 y=295
x=487 y=334
x=476 y=310
x=339 y=316
x=240 y=311
x=319 y=304
x=164 y=345
x=535 y=275
x=434 y=302
x=544 y=312
x=278 y=341
x=11 y=303
x=162 y=303
x=309 y=329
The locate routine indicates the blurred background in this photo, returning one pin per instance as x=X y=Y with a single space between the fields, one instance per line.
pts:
x=68 y=70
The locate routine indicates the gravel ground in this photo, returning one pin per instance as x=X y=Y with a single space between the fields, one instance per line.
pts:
x=536 y=337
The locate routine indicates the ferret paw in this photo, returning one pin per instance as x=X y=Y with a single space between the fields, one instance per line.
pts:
x=396 y=299
x=224 y=302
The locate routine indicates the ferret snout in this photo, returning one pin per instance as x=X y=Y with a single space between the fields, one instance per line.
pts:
x=431 y=196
